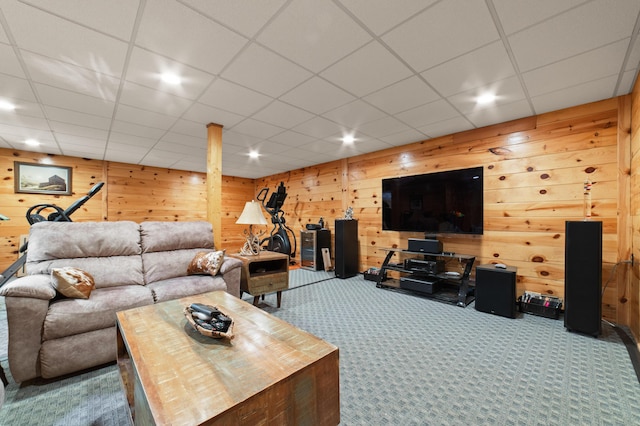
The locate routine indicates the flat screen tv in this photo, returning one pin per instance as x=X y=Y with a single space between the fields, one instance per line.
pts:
x=434 y=203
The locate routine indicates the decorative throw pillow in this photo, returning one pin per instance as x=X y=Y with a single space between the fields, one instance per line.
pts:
x=206 y=262
x=72 y=282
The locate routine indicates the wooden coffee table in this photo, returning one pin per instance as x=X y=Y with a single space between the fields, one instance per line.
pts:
x=270 y=373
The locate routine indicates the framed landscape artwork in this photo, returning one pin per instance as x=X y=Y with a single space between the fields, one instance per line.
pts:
x=42 y=179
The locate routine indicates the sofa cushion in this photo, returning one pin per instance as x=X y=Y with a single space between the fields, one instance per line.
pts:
x=176 y=288
x=72 y=282
x=67 y=317
x=165 y=236
x=69 y=240
x=206 y=263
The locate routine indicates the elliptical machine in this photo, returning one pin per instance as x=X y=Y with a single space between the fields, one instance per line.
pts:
x=35 y=214
x=279 y=240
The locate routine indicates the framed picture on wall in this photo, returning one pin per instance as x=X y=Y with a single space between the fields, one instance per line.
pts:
x=42 y=179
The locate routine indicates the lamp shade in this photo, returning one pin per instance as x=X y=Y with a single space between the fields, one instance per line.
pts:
x=252 y=215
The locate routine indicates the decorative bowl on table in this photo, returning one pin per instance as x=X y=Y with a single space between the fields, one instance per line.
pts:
x=209 y=321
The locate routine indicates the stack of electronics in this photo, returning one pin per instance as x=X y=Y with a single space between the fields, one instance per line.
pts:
x=537 y=304
x=423 y=277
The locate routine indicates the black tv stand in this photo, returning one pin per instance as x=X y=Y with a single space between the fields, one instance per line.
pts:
x=440 y=285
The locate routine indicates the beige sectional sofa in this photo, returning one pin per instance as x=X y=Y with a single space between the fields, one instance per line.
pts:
x=132 y=265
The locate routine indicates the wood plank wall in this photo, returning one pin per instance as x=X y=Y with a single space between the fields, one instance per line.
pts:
x=633 y=294
x=534 y=171
x=534 y=174
x=131 y=192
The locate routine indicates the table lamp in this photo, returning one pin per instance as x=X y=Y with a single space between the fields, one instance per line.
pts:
x=251 y=215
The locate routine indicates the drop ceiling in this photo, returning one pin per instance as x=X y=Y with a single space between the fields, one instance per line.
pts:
x=289 y=78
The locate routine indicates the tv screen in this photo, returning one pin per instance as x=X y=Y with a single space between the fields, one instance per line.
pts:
x=434 y=203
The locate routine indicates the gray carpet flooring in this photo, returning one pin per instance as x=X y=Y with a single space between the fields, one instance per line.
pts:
x=406 y=360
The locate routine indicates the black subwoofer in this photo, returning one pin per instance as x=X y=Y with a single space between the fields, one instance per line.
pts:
x=583 y=277
x=496 y=290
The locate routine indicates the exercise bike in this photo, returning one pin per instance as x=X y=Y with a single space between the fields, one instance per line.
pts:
x=36 y=214
x=281 y=235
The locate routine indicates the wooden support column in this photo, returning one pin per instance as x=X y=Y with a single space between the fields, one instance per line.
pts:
x=214 y=180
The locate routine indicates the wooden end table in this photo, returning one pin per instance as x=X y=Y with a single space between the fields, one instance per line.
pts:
x=264 y=273
x=270 y=373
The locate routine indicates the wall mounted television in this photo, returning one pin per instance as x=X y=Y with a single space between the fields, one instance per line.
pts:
x=449 y=202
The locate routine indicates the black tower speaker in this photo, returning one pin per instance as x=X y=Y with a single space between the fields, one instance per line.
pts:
x=496 y=290
x=583 y=277
x=346 y=248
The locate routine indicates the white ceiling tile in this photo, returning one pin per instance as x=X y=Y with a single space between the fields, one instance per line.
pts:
x=572 y=33
x=500 y=113
x=74 y=101
x=444 y=31
x=403 y=138
x=592 y=65
x=205 y=114
x=446 y=127
x=10 y=64
x=313 y=34
x=179 y=32
x=63 y=40
x=231 y=97
x=403 y=95
x=365 y=145
x=67 y=116
x=146 y=68
x=427 y=114
x=143 y=117
x=382 y=15
x=519 y=14
x=71 y=77
x=15 y=89
x=124 y=156
x=24 y=111
x=581 y=93
x=196 y=142
x=115 y=17
x=383 y=127
x=303 y=154
x=626 y=82
x=507 y=91
x=198 y=164
x=354 y=114
x=136 y=130
x=292 y=138
x=367 y=70
x=151 y=100
x=72 y=130
x=282 y=115
x=17 y=133
x=318 y=127
x=269 y=148
x=257 y=129
x=191 y=128
x=317 y=96
x=323 y=147
x=135 y=141
x=17 y=120
x=273 y=77
x=485 y=65
x=238 y=139
x=244 y=17
x=179 y=148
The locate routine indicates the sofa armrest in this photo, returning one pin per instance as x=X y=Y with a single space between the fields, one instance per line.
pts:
x=33 y=286
x=229 y=264
x=231 y=272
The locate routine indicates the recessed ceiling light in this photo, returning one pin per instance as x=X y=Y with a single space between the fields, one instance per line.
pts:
x=32 y=142
x=171 y=78
x=253 y=154
x=348 y=139
x=486 y=98
x=7 y=106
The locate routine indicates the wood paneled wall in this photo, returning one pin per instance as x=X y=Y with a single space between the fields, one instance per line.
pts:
x=633 y=286
x=534 y=173
x=131 y=192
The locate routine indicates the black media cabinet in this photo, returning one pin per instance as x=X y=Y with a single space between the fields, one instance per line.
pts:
x=424 y=273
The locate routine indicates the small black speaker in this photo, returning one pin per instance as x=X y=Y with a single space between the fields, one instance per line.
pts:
x=496 y=290
x=583 y=277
